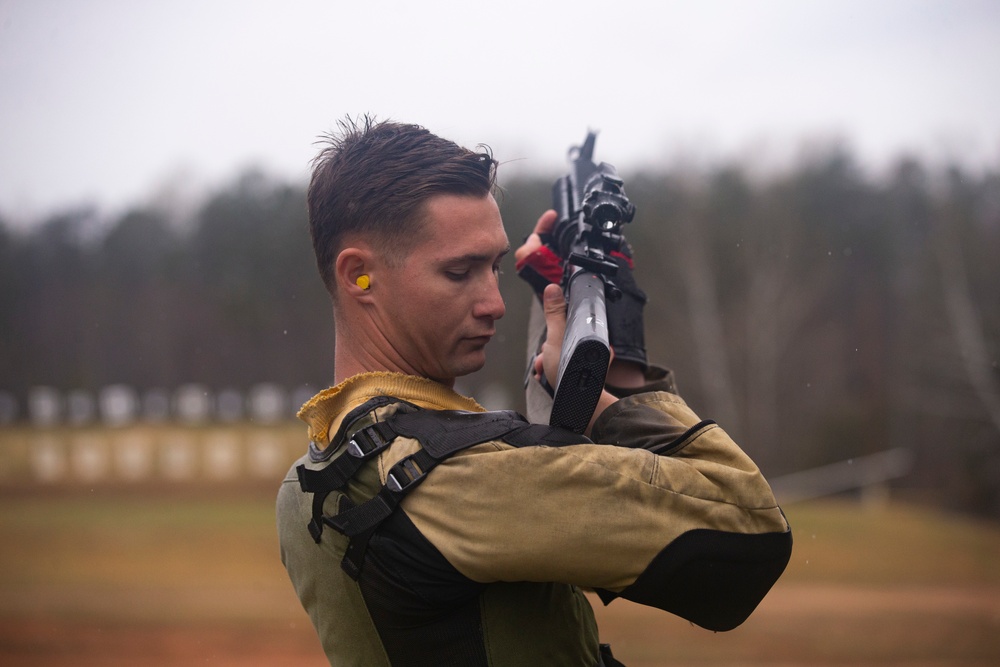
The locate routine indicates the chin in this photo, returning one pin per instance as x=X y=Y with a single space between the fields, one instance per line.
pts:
x=469 y=366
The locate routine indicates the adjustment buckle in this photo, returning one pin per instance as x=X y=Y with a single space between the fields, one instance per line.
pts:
x=404 y=474
x=367 y=442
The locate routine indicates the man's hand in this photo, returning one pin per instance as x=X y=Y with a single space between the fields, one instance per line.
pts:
x=553 y=301
x=554 y=307
x=547 y=363
x=537 y=263
x=535 y=253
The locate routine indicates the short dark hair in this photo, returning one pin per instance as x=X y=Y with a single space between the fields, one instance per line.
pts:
x=373 y=177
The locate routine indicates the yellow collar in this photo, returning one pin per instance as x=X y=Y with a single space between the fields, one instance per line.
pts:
x=324 y=411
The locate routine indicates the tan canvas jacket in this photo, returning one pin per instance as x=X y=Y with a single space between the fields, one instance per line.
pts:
x=483 y=562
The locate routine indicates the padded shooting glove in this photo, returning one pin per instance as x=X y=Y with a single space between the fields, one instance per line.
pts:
x=626 y=329
x=541 y=267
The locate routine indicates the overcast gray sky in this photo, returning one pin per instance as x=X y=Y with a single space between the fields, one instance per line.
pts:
x=105 y=101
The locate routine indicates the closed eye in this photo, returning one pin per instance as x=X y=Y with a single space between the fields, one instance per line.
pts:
x=463 y=267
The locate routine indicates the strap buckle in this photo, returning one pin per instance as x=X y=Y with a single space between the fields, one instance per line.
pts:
x=404 y=474
x=367 y=442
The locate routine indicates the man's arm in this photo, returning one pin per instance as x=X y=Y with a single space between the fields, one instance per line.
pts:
x=666 y=510
x=695 y=531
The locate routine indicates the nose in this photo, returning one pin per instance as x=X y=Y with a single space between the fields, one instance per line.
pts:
x=490 y=303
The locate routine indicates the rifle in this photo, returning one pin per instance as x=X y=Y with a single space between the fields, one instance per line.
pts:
x=592 y=207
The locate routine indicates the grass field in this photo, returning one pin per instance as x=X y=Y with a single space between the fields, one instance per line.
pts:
x=185 y=575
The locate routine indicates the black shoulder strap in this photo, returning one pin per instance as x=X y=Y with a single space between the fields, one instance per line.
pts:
x=441 y=433
x=364 y=443
x=350 y=421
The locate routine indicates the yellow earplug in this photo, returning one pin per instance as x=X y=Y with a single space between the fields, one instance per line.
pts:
x=363 y=281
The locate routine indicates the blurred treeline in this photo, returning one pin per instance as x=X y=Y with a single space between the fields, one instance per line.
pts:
x=818 y=314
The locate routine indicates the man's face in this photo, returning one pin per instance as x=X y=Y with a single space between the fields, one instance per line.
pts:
x=440 y=304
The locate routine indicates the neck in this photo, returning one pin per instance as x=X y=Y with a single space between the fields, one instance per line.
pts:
x=354 y=354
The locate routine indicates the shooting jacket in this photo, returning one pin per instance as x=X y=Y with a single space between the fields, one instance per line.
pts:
x=484 y=561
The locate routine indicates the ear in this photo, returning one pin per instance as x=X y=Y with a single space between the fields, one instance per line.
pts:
x=352 y=263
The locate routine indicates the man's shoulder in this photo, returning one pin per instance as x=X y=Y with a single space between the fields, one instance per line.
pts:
x=327 y=411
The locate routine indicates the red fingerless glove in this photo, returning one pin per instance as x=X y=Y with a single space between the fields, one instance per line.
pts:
x=540 y=268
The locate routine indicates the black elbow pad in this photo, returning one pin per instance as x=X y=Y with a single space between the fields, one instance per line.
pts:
x=712 y=578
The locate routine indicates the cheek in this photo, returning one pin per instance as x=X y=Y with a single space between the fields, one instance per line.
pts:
x=429 y=316
x=436 y=313
x=445 y=319
x=445 y=303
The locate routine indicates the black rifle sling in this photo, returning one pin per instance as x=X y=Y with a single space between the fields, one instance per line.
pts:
x=441 y=433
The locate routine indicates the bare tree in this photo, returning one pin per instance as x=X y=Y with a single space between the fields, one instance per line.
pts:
x=705 y=311
x=966 y=325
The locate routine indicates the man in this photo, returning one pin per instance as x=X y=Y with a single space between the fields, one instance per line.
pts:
x=420 y=529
